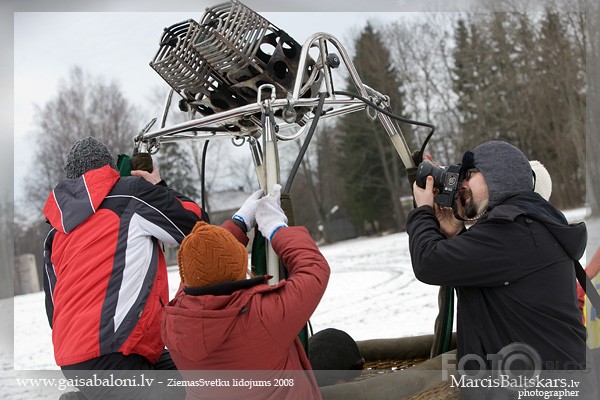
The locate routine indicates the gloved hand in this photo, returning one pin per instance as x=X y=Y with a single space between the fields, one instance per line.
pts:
x=269 y=215
x=248 y=209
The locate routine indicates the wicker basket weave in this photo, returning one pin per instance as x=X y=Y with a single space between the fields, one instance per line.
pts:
x=378 y=367
x=443 y=391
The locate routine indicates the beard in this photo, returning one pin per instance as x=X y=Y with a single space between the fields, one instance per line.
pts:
x=470 y=208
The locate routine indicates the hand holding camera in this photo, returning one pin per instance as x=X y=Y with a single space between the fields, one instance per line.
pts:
x=446 y=180
x=424 y=196
x=439 y=188
x=449 y=225
x=152 y=177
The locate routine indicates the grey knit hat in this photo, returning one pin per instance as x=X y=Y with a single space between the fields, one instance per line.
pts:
x=87 y=154
x=505 y=168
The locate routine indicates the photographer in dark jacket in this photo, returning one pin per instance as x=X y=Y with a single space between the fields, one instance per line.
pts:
x=512 y=269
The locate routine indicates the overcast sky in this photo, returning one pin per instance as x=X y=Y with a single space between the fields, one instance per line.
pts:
x=50 y=37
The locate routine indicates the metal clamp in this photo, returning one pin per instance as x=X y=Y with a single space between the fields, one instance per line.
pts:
x=261 y=88
x=146 y=146
x=371 y=112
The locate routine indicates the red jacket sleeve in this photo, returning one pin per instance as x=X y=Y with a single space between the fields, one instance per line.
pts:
x=236 y=231
x=286 y=309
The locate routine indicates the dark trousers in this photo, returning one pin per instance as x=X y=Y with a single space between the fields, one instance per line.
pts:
x=119 y=377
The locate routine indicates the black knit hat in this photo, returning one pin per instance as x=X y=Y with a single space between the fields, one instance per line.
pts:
x=335 y=351
x=505 y=168
x=85 y=155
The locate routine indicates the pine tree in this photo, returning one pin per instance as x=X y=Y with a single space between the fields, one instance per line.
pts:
x=373 y=173
x=593 y=123
x=523 y=81
x=471 y=82
x=560 y=106
x=176 y=168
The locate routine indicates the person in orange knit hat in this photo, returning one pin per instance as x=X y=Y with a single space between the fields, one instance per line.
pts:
x=222 y=320
x=211 y=255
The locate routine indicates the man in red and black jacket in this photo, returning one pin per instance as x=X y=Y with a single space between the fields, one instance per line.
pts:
x=105 y=274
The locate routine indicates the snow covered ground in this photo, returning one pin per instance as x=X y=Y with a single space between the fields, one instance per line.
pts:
x=372 y=294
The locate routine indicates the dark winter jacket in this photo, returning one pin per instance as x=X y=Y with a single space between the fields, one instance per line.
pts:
x=514 y=275
x=105 y=274
x=251 y=326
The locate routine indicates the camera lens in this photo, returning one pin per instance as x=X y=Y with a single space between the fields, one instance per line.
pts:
x=425 y=169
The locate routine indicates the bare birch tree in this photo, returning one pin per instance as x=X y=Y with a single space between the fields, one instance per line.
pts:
x=83 y=106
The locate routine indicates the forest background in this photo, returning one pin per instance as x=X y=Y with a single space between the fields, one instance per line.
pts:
x=521 y=77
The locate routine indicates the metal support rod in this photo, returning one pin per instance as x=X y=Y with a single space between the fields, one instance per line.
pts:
x=257 y=158
x=165 y=114
x=177 y=132
x=395 y=136
x=168 y=133
x=397 y=140
x=326 y=68
x=393 y=130
x=271 y=167
x=321 y=37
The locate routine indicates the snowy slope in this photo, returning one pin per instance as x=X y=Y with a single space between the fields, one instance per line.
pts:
x=372 y=294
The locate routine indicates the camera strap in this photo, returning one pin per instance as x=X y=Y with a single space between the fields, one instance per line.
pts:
x=586 y=282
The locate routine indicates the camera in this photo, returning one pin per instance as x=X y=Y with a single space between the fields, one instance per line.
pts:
x=445 y=179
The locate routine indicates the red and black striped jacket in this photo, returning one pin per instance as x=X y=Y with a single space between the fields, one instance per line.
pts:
x=105 y=274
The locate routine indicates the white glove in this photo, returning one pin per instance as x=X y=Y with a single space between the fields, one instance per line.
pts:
x=248 y=209
x=269 y=215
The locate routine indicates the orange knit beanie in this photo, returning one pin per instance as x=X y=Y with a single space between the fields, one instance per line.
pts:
x=211 y=255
